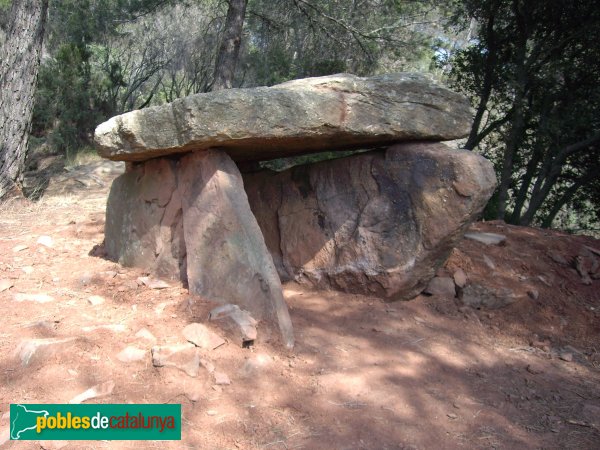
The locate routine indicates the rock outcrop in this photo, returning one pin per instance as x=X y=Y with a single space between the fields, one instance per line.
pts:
x=375 y=223
x=301 y=116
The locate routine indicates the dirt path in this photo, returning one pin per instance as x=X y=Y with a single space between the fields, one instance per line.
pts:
x=425 y=374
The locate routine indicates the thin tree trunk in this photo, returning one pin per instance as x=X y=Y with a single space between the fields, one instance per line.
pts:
x=230 y=46
x=512 y=145
x=518 y=119
x=542 y=188
x=550 y=175
x=563 y=200
x=523 y=193
x=19 y=65
x=488 y=81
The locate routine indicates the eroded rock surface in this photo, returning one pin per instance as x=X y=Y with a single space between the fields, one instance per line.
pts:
x=375 y=223
x=301 y=116
x=144 y=220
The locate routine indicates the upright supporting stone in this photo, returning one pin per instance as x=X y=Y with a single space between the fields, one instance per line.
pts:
x=190 y=220
x=143 y=220
x=227 y=259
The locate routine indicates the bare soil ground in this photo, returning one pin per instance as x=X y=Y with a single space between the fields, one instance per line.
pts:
x=423 y=374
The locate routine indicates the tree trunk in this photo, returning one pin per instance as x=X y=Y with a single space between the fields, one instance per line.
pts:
x=230 y=46
x=19 y=65
x=550 y=174
x=563 y=200
x=533 y=166
x=523 y=193
x=541 y=190
x=488 y=80
x=515 y=136
x=511 y=147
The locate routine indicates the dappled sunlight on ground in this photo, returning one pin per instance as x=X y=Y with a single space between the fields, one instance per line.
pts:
x=364 y=374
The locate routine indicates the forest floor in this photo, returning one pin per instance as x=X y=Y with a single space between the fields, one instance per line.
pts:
x=365 y=374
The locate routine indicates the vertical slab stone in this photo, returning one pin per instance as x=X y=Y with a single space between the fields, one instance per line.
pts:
x=227 y=259
x=143 y=220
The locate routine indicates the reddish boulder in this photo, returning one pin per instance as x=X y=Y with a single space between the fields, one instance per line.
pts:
x=375 y=223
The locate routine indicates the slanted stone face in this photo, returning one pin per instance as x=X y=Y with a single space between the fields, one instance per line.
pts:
x=337 y=112
x=227 y=259
x=376 y=223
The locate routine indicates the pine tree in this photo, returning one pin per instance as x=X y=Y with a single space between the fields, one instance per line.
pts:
x=19 y=65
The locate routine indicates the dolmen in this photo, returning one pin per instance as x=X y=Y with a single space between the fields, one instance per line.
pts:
x=193 y=205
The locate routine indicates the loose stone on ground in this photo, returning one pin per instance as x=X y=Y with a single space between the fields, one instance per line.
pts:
x=243 y=323
x=199 y=335
x=31 y=347
x=100 y=390
x=5 y=284
x=37 y=298
x=443 y=286
x=145 y=334
x=486 y=238
x=185 y=357
x=221 y=379
x=96 y=300
x=131 y=354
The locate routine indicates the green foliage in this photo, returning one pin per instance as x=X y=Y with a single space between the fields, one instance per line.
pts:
x=531 y=72
x=302 y=38
x=83 y=83
x=4 y=12
x=111 y=56
x=65 y=102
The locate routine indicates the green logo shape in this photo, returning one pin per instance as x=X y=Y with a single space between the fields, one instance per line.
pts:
x=143 y=422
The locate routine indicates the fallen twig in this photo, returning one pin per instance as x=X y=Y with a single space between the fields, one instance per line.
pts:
x=582 y=424
x=350 y=405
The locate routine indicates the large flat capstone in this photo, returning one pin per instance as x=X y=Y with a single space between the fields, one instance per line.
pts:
x=337 y=112
x=377 y=223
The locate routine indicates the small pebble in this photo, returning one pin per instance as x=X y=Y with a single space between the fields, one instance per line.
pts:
x=566 y=356
x=221 y=379
x=46 y=241
x=533 y=370
x=95 y=300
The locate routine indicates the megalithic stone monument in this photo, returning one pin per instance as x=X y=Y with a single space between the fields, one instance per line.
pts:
x=379 y=222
